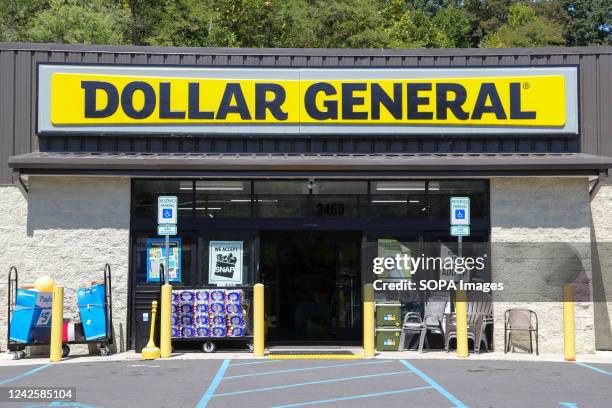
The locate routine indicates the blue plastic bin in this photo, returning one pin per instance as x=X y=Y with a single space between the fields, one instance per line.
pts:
x=93 y=312
x=31 y=319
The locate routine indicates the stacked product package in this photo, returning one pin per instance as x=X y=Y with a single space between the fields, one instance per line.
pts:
x=186 y=313
x=202 y=320
x=207 y=313
x=235 y=315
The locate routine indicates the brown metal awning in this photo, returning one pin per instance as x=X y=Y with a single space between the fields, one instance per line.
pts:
x=373 y=165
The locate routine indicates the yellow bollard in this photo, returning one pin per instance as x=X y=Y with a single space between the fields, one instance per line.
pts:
x=150 y=352
x=165 y=333
x=569 y=332
x=369 y=324
x=462 y=323
x=57 y=321
x=258 y=321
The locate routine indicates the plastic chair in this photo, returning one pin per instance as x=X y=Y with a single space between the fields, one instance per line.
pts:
x=480 y=316
x=431 y=321
x=524 y=320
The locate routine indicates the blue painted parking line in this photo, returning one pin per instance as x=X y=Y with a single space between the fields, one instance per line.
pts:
x=213 y=385
x=568 y=404
x=254 y=362
x=353 y=397
x=292 y=370
x=282 y=387
x=599 y=370
x=438 y=387
x=24 y=375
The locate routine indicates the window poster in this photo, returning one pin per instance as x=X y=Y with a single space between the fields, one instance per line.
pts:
x=225 y=263
x=390 y=248
x=156 y=255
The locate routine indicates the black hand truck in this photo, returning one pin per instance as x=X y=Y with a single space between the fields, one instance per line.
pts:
x=19 y=348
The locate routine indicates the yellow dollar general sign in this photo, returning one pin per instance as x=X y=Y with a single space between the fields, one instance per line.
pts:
x=212 y=100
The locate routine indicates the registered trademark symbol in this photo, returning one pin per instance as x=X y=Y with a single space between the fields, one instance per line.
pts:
x=526 y=85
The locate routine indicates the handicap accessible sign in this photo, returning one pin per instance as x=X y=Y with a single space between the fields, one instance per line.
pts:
x=460 y=211
x=167 y=207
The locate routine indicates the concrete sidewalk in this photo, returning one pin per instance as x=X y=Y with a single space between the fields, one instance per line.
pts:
x=604 y=357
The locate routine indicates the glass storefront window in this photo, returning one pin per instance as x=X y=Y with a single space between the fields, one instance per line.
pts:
x=441 y=191
x=339 y=199
x=397 y=199
x=282 y=199
x=223 y=199
x=147 y=191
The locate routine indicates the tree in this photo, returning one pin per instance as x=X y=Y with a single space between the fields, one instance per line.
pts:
x=589 y=22
x=524 y=28
x=79 y=22
x=15 y=17
x=346 y=23
x=486 y=16
x=190 y=23
x=433 y=24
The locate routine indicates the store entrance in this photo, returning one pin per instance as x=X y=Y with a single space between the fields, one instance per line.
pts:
x=313 y=285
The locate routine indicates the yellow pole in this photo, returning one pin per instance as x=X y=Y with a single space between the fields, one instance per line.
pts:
x=258 y=321
x=569 y=332
x=369 y=324
x=150 y=352
x=462 y=323
x=57 y=321
x=165 y=334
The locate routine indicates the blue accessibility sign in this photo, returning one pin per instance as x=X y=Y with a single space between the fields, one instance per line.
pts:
x=460 y=214
x=167 y=213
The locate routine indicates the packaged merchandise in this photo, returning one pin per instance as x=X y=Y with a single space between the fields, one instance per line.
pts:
x=174 y=308
x=218 y=320
x=233 y=296
x=186 y=308
x=233 y=309
x=201 y=308
x=201 y=296
x=186 y=296
x=216 y=308
x=217 y=295
x=235 y=332
x=202 y=320
x=202 y=331
x=186 y=320
x=31 y=320
x=175 y=296
x=218 y=331
x=236 y=321
x=188 y=331
x=91 y=301
x=176 y=331
x=174 y=320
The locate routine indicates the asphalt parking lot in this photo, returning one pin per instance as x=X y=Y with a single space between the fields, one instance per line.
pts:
x=325 y=382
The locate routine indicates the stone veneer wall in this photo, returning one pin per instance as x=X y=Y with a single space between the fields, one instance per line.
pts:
x=67 y=228
x=601 y=234
x=531 y=218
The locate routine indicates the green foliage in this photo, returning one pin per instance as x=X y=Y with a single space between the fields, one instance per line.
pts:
x=524 y=28
x=310 y=23
x=589 y=22
x=192 y=23
x=79 y=21
x=15 y=17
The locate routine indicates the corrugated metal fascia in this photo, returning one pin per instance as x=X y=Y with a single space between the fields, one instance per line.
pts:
x=119 y=49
